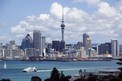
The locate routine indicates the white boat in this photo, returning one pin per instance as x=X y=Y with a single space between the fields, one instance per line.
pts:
x=30 y=69
x=5 y=66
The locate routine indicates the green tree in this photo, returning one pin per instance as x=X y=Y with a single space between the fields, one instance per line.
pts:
x=92 y=77
x=55 y=75
x=80 y=79
x=63 y=77
x=36 y=78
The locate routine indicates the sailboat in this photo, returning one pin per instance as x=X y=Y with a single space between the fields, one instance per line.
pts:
x=5 y=66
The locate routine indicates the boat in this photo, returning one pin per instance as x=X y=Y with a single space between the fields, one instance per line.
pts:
x=5 y=66
x=106 y=72
x=30 y=69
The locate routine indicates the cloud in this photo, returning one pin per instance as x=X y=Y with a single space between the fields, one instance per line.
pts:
x=18 y=29
x=105 y=10
x=56 y=9
x=43 y=17
x=104 y=23
x=89 y=2
x=120 y=5
x=75 y=15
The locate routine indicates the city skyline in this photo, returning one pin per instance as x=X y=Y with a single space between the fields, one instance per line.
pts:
x=100 y=19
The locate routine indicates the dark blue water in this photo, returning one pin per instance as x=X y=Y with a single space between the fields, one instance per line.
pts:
x=14 y=68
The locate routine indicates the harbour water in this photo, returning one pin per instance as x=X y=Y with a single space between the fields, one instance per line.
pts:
x=14 y=68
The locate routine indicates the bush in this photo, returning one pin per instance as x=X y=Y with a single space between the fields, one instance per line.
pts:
x=36 y=78
x=5 y=80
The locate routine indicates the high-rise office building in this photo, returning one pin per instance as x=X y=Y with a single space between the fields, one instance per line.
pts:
x=11 y=45
x=27 y=42
x=109 y=44
x=37 y=41
x=88 y=46
x=43 y=44
x=85 y=39
x=79 y=45
x=104 y=48
x=115 y=48
x=56 y=45
x=11 y=51
x=48 y=48
x=62 y=46
x=87 y=43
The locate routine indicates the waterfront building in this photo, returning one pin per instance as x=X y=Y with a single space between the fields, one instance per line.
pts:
x=11 y=45
x=115 y=48
x=62 y=46
x=37 y=41
x=48 y=48
x=87 y=43
x=94 y=47
x=12 y=52
x=27 y=42
x=43 y=46
x=17 y=54
x=81 y=54
x=93 y=53
x=88 y=46
x=97 y=49
x=56 y=45
x=104 y=48
x=85 y=36
x=1 y=53
x=109 y=44
x=79 y=45
x=30 y=52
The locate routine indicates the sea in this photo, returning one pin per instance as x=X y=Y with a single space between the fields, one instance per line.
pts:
x=14 y=68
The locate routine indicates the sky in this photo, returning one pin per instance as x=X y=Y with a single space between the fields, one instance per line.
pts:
x=100 y=19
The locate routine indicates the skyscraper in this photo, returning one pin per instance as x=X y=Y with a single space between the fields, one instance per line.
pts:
x=85 y=36
x=87 y=43
x=104 y=48
x=115 y=48
x=56 y=45
x=37 y=41
x=43 y=49
x=27 y=42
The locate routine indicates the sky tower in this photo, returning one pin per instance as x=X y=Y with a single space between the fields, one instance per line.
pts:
x=62 y=25
x=62 y=43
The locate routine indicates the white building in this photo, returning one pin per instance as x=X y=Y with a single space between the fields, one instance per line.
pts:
x=81 y=54
x=43 y=45
x=11 y=52
x=114 y=48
